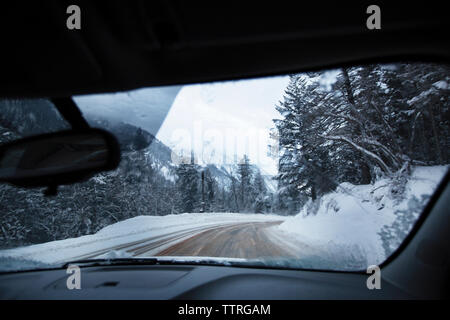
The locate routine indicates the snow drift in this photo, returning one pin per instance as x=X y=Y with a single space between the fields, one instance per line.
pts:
x=358 y=226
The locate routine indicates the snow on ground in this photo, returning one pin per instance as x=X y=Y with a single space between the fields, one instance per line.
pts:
x=344 y=232
x=341 y=231
x=123 y=232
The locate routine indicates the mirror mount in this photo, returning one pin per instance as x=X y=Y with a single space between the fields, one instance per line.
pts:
x=59 y=158
x=72 y=114
x=51 y=191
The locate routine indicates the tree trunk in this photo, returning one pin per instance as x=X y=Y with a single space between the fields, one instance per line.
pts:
x=435 y=135
x=348 y=86
x=313 y=193
x=366 y=178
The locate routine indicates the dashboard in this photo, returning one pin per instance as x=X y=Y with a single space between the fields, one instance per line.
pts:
x=193 y=282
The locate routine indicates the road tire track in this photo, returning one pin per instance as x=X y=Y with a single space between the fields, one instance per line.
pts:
x=142 y=246
x=244 y=240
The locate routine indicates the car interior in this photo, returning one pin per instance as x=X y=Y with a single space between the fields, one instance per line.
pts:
x=129 y=45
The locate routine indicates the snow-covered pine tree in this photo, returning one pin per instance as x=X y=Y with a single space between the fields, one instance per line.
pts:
x=188 y=185
x=245 y=178
x=376 y=119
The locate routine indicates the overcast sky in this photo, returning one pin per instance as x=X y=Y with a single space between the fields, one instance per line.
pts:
x=220 y=121
x=223 y=121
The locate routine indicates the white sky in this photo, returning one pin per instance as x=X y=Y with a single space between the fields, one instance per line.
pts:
x=223 y=121
x=219 y=121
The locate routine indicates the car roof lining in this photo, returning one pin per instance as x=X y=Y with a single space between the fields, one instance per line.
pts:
x=162 y=43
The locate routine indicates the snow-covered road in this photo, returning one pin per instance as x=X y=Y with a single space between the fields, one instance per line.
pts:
x=232 y=240
x=342 y=230
x=247 y=240
x=151 y=236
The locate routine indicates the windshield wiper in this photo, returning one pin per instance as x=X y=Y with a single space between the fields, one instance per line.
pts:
x=199 y=261
x=112 y=262
x=154 y=261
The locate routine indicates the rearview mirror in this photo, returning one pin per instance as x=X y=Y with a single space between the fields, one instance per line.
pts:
x=58 y=158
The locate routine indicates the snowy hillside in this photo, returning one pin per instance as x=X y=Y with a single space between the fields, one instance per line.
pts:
x=357 y=226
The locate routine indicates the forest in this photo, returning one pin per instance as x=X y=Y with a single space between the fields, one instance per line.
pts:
x=373 y=121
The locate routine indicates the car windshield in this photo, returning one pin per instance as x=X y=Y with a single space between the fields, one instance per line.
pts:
x=319 y=170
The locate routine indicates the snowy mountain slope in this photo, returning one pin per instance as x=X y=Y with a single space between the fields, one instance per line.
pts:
x=28 y=117
x=361 y=225
x=146 y=108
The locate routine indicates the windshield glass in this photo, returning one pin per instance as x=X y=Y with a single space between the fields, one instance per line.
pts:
x=319 y=170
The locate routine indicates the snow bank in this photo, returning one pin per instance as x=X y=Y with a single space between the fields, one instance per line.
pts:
x=344 y=227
